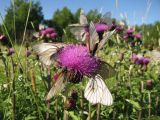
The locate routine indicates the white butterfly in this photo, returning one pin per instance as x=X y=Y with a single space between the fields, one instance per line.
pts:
x=58 y=86
x=106 y=18
x=78 y=30
x=47 y=52
x=97 y=92
x=41 y=27
x=94 y=43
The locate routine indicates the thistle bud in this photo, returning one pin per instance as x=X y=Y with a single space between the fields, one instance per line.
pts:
x=149 y=84
x=70 y=104
x=121 y=56
x=10 y=51
x=28 y=53
x=74 y=94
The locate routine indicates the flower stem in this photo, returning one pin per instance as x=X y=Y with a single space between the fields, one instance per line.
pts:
x=49 y=87
x=141 y=111
x=149 y=107
x=89 y=114
x=65 y=115
x=98 y=111
x=13 y=91
x=82 y=106
x=157 y=103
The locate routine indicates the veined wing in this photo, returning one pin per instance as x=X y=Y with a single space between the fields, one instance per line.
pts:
x=106 y=18
x=83 y=19
x=105 y=70
x=104 y=40
x=57 y=87
x=78 y=32
x=97 y=92
x=47 y=52
x=94 y=38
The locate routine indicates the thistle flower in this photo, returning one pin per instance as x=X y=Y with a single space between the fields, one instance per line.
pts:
x=119 y=29
x=78 y=59
x=3 y=39
x=138 y=36
x=134 y=58
x=149 y=84
x=74 y=94
x=113 y=26
x=129 y=31
x=70 y=104
x=140 y=60
x=74 y=62
x=10 y=51
x=28 y=53
x=146 y=60
x=101 y=27
x=49 y=33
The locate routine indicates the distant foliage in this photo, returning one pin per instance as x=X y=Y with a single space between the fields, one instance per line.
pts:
x=151 y=34
x=17 y=15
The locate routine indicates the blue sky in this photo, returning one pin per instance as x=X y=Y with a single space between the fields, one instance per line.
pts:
x=136 y=11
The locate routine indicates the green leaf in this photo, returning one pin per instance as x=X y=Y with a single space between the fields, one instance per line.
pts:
x=135 y=104
x=74 y=117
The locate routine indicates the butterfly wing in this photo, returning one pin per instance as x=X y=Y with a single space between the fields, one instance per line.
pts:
x=97 y=92
x=94 y=38
x=106 y=18
x=78 y=32
x=105 y=70
x=83 y=19
x=36 y=34
x=57 y=87
x=104 y=40
x=47 y=52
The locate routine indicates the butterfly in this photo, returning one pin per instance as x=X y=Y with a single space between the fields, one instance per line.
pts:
x=94 y=43
x=41 y=27
x=47 y=52
x=78 y=30
x=97 y=92
x=106 y=18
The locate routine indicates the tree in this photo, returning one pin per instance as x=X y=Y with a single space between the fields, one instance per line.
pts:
x=93 y=15
x=17 y=16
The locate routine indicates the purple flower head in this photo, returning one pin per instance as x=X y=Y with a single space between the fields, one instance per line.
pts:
x=42 y=32
x=28 y=53
x=74 y=94
x=139 y=61
x=112 y=27
x=78 y=59
x=134 y=58
x=53 y=35
x=119 y=29
x=146 y=60
x=49 y=30
x=55 y=77
x=125 y=36
x=70 y=104
x=138 y=36
x=48 y=33
x=10 y=51
x=129 y=31
x=100 y=27
x=3 y=39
